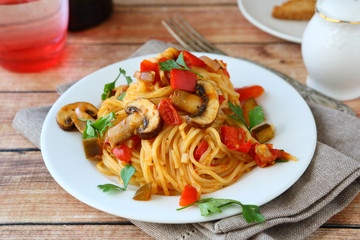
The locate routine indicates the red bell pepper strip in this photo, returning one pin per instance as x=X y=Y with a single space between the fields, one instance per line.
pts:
x=168 y=113
x=192 y=60
x=230 y=137
x=199 y=151
x=146 y=66
x=221 y=99
x=183 y=80
x=265 y=155
x=249 y=92
x=163 y=59
x=225 y=71
x=123 y=153
x=188 y=196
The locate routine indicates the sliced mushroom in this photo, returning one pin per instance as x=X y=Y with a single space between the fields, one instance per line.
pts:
x=209 y=108
x=211 y=63
x=143 y=120
x=69 y=115
x=186 y=101
x=148 y=76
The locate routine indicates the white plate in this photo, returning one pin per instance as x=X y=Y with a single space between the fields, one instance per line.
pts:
x=283 y=106
x=258 y=12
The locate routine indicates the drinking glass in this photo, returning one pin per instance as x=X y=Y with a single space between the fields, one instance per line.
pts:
x=32 y=33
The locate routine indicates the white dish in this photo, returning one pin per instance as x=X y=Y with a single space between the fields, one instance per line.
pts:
x=283 y=106
x=258 y=12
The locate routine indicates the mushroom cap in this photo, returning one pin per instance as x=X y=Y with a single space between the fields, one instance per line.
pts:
x=209 y=108
x=68 y=116
x=143 y=120
x=152 y=123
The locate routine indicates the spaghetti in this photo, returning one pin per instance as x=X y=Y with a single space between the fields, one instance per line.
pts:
x=168 y=160
x=191 y=141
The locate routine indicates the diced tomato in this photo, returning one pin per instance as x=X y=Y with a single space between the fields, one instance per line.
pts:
x=134 y=142
x=146 y=66
x=199 y=151
x=265 y=155
x=221 y=99
x=225 y=71
x=183 y=80
x=249 y=92
x=230 y=137
x=168 y=112
x=163 y=59
x=188 y=196
x=123 y=153
x=192 y=60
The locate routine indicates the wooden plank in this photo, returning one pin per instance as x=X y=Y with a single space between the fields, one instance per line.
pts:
x=335 y=234
x=30 y=194
x=128 y=232
x=64 y=231
x=218 y=23
x=80 y=60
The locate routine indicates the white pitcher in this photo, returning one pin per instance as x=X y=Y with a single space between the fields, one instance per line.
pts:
x=331 y=49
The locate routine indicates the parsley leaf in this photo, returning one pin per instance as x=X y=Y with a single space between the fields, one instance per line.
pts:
x=181 y=61
x=92 y=128
x=256 y=115
x=281 y=160
x=89 y=131
x=110 y=86
x=251 y=213
x=178 y=64
x=102 y=123
x=126 y=173
x=128 y=78
x=238 y=114
x=121 y=97
x=109 y=187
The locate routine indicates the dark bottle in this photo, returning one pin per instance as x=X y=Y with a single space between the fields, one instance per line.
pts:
x=88 y=13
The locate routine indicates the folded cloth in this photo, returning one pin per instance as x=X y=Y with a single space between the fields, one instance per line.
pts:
x=327 y=186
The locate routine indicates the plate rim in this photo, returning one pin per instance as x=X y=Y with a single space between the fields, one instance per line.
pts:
x=265 y=28
x=200 y=219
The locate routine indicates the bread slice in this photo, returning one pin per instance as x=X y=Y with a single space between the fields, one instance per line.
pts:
x=295 y=10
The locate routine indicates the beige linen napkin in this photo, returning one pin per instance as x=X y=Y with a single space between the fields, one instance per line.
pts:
x=327 y=186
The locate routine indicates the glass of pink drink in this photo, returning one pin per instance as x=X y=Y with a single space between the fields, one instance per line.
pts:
x=32 y=33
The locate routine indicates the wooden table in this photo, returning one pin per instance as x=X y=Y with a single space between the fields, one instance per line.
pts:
x=33 y=205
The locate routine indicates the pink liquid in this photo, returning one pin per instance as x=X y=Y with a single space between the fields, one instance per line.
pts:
x=33 y=45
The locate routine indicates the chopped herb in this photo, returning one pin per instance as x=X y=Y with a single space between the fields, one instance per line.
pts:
x=251 y=213
x=102 y=123
x=256 y=115
x=121 y=97
x=93 y=129
x=281 y=160
x=89 y=131
x=126 y=173
x=128 y=78
x=110 y=187
x=178 y=64
x=110 y=86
